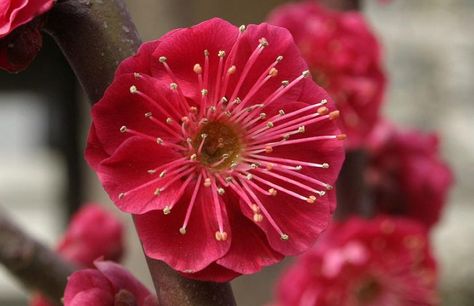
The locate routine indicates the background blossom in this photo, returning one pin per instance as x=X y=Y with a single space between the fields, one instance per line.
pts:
x=109 y=285
x=20 y=37
x=344 y=57
x=359 y=262
x=406 y=173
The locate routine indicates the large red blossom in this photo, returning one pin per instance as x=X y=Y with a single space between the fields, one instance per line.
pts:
x=93 y=233
x=344 y=57
x=20 y=41
x=109 y=285
x=361 y=262
x=221 y=145
x=406 y=173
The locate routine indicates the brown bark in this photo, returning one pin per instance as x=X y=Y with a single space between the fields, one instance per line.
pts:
x=174 y=290
x=34 y=265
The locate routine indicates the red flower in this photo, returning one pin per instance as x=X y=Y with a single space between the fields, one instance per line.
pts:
x=364 y=263
x=407 y=174
x=221 y=146
x=109 y=285
x=20 y=39
x=344 y=57
x=92 y=233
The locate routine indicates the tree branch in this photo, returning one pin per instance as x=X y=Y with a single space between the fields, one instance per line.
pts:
x=173 y=290
x=34 y=265
x=95 y=36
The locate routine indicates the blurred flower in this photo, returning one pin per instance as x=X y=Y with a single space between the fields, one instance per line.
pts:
x=109 y=285
x=344 y=57
x=406 y=173
x=364 y=263
x=20 y=38
x=223 y=148
x=92 y=233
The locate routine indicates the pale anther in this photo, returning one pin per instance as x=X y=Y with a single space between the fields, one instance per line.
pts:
x=133 y=89
x=173 y=86
x=284 y=237
x=311 y=199
x=204 y=92
x=306 y=73
x=263 y=42
x=257 y=218
x=159 y=140
x=221 y=53
x=123 y=129
x=231 y=69
x=148 y=115
x=162 y=59
x=121 y=195
x=182 y=230
x=197 y=69
x=273 y=72
x=166 y=210
x=220 y=191
x=272 y=191
x=207 y=182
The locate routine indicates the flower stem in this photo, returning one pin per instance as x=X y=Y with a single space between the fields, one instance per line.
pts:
x=34 y=265
x=95 y=36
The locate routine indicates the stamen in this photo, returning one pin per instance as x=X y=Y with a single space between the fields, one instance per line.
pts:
x=182 y=230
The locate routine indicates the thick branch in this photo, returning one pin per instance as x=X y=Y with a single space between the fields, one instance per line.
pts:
x=173 y=290
x=34 y=265
x=95 y=36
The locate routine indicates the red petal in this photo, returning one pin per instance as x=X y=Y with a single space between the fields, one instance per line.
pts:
x=120 y=278
x=127 y=169
x=250 y=250
x=87 y=285
x=187 y=253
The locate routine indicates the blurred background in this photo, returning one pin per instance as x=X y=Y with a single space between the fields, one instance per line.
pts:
x=429 y=56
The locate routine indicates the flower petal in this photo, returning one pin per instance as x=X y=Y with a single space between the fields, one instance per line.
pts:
x=192 y=251
x=126 y=172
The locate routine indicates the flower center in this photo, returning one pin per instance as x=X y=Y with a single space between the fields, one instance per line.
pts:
x=219 y=145
x=368 y=291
